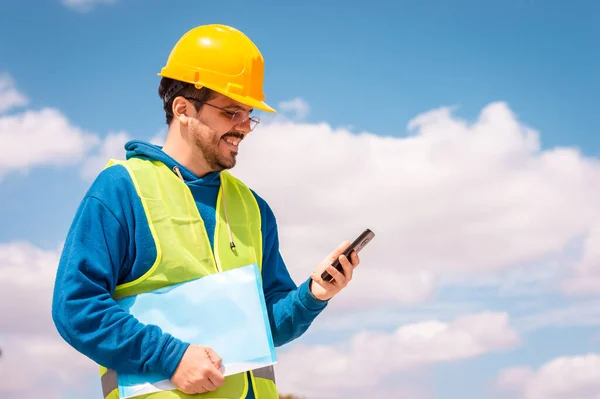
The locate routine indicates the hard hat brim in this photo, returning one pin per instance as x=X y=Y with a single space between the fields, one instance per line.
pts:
x=263 y=106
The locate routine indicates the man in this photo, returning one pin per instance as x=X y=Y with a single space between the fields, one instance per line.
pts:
x=172 y=214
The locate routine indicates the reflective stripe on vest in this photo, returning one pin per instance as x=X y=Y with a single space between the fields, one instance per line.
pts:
x=263 y=381
x=183 y=253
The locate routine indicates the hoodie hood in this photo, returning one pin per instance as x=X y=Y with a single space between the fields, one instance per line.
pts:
x=152 y=152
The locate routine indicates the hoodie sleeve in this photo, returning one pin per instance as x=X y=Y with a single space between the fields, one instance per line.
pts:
x=98 y=254
x=291 y=308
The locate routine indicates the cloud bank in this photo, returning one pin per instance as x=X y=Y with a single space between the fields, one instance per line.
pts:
x=447 y=197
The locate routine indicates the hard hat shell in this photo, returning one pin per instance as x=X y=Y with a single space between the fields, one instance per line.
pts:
x=221 y=58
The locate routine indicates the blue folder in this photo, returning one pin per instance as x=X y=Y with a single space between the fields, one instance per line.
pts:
x=224 y=311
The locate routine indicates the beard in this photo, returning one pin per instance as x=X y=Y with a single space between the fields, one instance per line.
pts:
x=217 y=153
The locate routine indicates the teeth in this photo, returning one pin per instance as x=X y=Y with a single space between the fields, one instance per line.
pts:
x=232 y=141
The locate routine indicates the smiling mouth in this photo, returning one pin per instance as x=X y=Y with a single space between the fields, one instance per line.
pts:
x=233 y=140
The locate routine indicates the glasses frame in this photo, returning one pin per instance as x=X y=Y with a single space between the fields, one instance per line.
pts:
x=245 y=115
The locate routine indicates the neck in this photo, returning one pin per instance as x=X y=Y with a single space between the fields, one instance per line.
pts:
x=185 y=153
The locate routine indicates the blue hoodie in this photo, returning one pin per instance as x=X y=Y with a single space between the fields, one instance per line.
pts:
x=109 y=243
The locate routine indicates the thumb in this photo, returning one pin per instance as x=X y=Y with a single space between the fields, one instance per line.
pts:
x=214 y=358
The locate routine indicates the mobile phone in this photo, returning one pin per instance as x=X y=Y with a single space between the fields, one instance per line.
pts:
x=356 y=246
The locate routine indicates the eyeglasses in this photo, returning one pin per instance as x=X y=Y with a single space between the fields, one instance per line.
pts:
x=237 y=117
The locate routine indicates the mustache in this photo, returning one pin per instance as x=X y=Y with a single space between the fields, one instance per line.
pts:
x=236 y=135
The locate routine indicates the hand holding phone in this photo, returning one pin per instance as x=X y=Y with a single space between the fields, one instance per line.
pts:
x=358 y=244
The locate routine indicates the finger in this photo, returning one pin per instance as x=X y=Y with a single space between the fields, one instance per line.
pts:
x=348 y=268
x=327 y=285
x=214 y=358
x=208 y=385
x=338 y=251
x=216 y=378
x=354 y=259
x=203 y=383
x=338 y=278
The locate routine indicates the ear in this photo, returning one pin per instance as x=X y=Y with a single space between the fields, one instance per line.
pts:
x=181 y=110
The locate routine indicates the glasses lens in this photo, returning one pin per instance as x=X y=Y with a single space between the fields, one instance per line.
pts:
x=239 y=117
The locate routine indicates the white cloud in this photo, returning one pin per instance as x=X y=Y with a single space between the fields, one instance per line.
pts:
x=35 y=360
x=392 y=286
x=476 y=198
x=451 y=197
x=26 y=269
x=10 y=97
x=338 y=322
x=41 y=138
x=580 y=313
x=562 y=378
x=42 y=366
x=357 y=366
x=36 y=138
x=410 y=384
x=297 y=106
x=85 y=6
x=515 y=378
x=112 y=146
x=586 y=276
x=523 y=281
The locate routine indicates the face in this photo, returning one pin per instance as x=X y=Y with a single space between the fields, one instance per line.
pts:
x=214 y=133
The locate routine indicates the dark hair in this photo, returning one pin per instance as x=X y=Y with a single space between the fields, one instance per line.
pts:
x=187 y=90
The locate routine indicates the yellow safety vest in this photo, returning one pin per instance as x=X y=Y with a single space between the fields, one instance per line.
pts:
x=183 y=253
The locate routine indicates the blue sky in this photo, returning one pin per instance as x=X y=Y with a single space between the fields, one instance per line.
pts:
x=373 y=68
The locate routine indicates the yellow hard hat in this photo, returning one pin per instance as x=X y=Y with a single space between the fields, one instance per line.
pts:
x=221 y=58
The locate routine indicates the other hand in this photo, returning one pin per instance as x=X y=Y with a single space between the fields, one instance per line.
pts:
x=198 y=371
x=325 y=290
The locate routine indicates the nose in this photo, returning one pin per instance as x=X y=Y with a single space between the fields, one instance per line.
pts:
x=243 y=127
